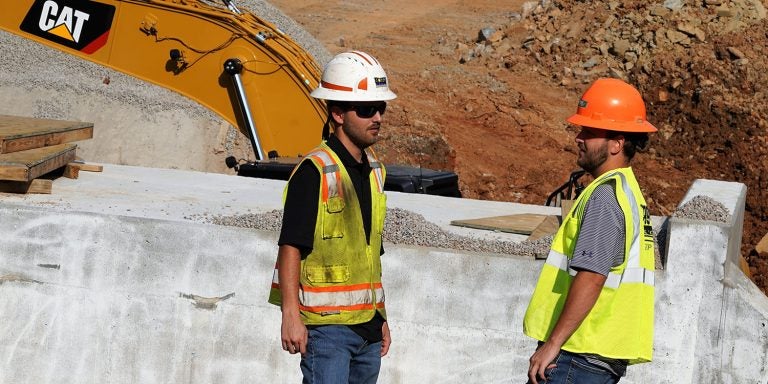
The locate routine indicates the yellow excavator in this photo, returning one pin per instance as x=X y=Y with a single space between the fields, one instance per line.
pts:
x=229 y=60
x=232 y=62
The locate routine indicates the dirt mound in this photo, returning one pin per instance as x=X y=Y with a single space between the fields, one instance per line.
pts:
x=700 y=67
x=485 y=88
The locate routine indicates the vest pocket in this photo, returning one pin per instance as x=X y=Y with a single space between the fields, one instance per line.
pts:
x=333 y=218
x=327 y=274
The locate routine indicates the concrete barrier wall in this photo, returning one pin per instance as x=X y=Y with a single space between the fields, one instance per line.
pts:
x=710 y=319
x=92 y=298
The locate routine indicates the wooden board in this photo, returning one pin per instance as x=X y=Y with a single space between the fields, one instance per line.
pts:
x=72 y=170
x=31 y=164
x=548 y=226
x=23 y=133
x=523 y=223
x=42 y=186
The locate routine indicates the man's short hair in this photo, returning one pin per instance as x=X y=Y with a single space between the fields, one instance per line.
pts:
x=633 y=142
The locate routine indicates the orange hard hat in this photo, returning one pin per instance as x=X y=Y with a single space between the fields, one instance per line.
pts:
x=613 y=105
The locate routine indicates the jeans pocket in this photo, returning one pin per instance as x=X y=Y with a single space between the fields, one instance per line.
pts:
x=592 y=374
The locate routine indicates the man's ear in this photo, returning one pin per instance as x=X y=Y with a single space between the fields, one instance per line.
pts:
x=618 y=146
x=337 y=113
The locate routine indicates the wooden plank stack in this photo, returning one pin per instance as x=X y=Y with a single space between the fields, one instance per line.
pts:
x=33 y=152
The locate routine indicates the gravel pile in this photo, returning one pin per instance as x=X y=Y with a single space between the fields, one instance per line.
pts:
x=401 y=227
x=703 y=208
x=268 y=221
x=409 y=228
x=405 y=227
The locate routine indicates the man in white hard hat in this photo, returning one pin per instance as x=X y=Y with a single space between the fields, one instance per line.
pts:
x=328 y=274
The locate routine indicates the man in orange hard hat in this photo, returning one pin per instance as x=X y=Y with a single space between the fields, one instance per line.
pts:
x=592 y=309
x=327 y=280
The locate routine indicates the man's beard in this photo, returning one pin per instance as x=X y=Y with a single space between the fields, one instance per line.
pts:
x=592 y=159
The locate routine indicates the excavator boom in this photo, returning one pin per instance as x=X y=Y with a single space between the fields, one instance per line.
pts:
x=233 y=62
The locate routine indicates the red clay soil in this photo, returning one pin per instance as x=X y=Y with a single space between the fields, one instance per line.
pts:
x=484 y=88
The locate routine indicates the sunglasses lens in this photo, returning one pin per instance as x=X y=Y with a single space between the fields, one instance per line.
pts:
x=368 y=111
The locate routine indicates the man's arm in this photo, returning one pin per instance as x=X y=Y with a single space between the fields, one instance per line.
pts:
x=582 y=296
x=293 y=332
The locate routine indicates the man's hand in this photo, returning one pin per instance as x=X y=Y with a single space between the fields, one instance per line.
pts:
x=540 y=361
x=386 y=340
x=293 y=333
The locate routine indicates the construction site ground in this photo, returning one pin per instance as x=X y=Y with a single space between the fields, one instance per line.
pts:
x=485 y=86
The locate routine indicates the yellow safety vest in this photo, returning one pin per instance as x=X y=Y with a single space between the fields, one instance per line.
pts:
x=620 y=325
x=340 y=280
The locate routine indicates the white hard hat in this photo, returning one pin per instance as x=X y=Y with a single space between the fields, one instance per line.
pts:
x=353 y=76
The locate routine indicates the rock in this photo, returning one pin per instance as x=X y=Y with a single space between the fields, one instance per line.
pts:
x=617 y=74
x=674 y=5
x=735 y=53
x=604 y=49
x=724 y=11
x=485 y=34
x=496 y=37
x=663 y=95
x=678 y=37
x=620 y=47
x=760 y=11
x=528 y=8
x=575 y=29
x=504 y=48
x=660 y=11
x=593 y=61
x=762 y=247
x=528 y=41
x=691 y=30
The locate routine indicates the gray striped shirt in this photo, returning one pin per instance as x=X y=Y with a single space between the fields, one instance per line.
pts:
x=599 y=247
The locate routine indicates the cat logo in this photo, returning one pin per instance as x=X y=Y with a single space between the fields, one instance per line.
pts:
x=79 y=24
x=65 y=22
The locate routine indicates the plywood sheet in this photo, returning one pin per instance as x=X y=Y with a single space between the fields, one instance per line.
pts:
x=548 y=226
x=523 y=223
x=31 y=164
x=23 y=133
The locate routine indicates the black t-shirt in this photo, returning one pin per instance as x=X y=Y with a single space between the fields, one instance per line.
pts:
x=300 y=213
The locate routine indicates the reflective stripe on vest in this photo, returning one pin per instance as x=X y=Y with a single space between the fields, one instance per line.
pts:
x=376 y=169
x=630 y=274
x=337 y=298
x=331 y=182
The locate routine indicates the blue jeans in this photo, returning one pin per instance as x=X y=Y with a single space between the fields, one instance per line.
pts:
x=336 y=355
x=574 y=369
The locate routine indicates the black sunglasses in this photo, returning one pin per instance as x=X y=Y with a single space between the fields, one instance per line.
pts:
x=368 y=110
